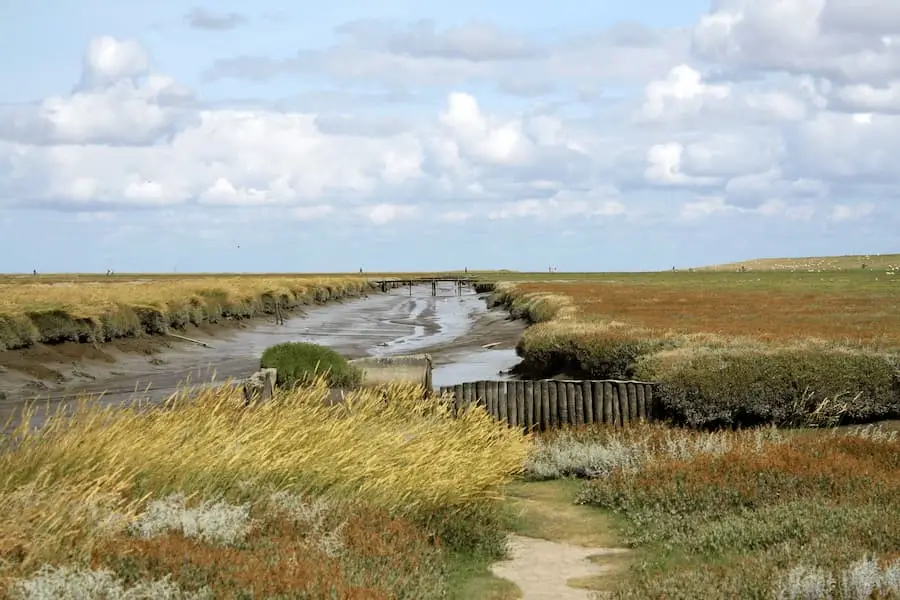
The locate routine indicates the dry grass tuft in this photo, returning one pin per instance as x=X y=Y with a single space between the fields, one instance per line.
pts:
x=194 y=473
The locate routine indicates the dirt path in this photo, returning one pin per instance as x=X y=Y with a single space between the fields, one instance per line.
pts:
x=560 y=550
x=542 y=569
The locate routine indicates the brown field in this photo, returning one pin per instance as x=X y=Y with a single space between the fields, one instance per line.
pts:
x=770 y=313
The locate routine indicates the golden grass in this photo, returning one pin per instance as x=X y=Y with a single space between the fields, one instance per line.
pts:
x=78 y=480
x=93 y=298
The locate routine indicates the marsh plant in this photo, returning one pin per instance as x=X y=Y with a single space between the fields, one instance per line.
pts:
x=757 y=513
x=66 y=583
x=600 y=451
x=294 y=497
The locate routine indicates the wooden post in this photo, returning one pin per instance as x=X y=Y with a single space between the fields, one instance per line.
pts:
x=521 y=417
x=623 y=402
x=512 y=407
x=597 y=390
x=478 y=393
x=562 y=401
x=553 y=398
x=632 y=402
x=457 y=391
x=641 y=402
x=652 y=409
x=614 y=401
x=530 y=413
x=587 y=396
x=573 y=391
x=607 y=403
x=499 y=402
x=544 y=398
x=490 y=397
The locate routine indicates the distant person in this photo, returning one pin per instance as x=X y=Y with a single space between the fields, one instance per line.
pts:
x=35 y=272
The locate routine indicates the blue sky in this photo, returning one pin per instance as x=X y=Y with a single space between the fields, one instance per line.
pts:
x=421 y=135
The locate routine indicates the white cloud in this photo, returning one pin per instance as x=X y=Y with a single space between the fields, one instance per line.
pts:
x=842 y=39
x=844 y=212
x=754 y=134
x=382 y=214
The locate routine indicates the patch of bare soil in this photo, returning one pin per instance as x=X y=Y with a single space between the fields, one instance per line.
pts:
x=543 y=570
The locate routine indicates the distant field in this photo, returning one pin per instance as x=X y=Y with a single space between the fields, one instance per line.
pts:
x=882 y=262
x=856 y=307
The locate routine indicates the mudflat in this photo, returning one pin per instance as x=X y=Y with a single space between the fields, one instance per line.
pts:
x=448 y=326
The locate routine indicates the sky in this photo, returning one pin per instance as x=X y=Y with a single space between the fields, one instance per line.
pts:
x=393 y=135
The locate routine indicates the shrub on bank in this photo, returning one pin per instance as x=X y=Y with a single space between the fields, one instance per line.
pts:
x=92 y=312
x=803 y=386
x=300 y=363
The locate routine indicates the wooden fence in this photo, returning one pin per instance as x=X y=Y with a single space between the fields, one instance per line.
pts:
x=551 y=403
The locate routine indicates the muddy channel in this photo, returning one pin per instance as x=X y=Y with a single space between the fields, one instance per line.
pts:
x=453 y=328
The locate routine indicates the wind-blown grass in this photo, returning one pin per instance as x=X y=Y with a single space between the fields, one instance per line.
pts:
x=393 y=481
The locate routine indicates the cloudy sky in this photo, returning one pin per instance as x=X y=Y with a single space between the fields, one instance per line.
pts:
x=401 y=134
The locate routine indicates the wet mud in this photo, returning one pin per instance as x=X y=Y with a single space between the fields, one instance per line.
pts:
x=453 y=329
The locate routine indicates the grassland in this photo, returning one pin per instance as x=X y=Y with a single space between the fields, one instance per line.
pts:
x=729 y=347
x=204 y=498
x=762 y=513
x=52 y=309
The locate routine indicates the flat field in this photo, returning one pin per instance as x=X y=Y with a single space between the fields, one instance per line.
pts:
x=859 y=307
x=729 y=347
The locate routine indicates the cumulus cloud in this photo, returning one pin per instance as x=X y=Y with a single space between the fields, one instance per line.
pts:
x=847 y=40
x=764 y=110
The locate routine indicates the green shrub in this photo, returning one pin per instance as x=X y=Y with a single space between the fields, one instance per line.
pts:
x=784 y=387
x=299 y=363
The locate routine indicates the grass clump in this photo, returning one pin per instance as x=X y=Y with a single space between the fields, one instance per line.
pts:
x=293 y=498
x=300 y=363
x=757 y=513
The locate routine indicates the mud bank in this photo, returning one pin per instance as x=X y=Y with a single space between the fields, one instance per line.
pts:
x=452 y=328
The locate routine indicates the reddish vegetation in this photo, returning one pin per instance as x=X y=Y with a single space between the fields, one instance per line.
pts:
x=383 y=558
x=765 y=313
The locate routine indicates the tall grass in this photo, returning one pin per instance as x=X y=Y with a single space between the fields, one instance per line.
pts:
x=98 y=310
x=82 y=486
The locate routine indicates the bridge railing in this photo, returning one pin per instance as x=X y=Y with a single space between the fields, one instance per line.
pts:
x=550 y=403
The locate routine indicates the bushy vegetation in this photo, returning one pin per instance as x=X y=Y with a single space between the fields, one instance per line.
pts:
x=728 y=351
x=292 y=498
x=761 y=513
x=300 y=363
x=98 y=310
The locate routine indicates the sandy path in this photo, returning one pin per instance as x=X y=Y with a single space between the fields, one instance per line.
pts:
x=541 y=568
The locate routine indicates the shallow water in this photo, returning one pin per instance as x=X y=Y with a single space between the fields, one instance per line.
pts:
x=475 y=366
x=379 y=325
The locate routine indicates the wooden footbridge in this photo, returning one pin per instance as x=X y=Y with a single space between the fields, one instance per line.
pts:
x=458 y=282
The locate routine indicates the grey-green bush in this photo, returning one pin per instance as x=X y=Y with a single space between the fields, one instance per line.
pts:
x=300 y=363
x=750 y=388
